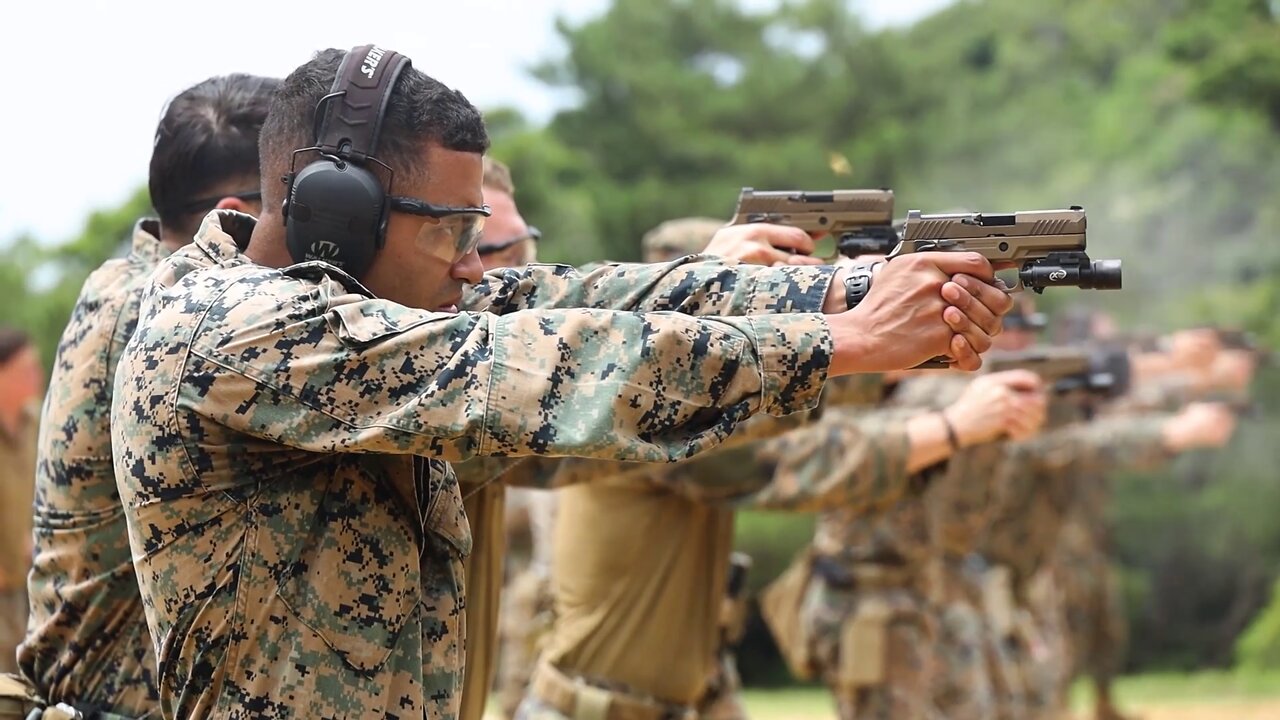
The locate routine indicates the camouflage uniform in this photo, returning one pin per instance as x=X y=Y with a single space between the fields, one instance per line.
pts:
x=1092 y=610
x=639 y=594
x=890 y=617
x=281 y=438
x=17 y=468
x=1095 y=622
x=1039 y=482
x=88 y=640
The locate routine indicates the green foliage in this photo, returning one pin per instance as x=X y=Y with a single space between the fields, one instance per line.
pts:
x=1259 y=647
x=45 y=281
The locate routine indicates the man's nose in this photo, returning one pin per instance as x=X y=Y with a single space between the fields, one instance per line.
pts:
x=469 y=269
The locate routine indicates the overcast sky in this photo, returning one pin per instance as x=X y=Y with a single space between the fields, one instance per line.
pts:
x=89 y=79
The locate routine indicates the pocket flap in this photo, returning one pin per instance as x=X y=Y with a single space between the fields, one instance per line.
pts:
x=362 y=322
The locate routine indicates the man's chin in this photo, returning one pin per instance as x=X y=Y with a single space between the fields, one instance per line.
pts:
x=450 y=309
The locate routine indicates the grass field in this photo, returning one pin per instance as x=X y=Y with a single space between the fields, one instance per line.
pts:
x=1198 y=696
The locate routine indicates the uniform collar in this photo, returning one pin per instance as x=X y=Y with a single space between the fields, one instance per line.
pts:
x=224 y=234
x=146 y=241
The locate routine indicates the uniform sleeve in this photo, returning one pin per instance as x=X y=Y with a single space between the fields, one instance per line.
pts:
x=699 y=477
x=372 y=376
x=850 y=459
x=1122 y=442
x=690 y=285
x=1163 y=394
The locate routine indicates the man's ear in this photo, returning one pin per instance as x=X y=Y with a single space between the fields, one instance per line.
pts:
x=232 y=203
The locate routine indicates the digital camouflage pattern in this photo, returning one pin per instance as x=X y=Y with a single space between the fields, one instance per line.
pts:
x=281 y=440
x=959 y=504
x=857 y=572
x=911 y=559
x=1093 y=608
x=1040 y=483
x=1040 y=654
x=87 y=640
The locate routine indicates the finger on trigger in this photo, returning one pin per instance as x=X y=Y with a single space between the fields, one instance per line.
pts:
x=789 y=238
x=995 y=299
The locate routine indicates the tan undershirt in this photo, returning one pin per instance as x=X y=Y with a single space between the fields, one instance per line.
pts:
x=639 y=576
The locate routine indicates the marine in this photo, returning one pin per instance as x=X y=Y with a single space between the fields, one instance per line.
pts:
x=87 y=644
x=282 y=430
x=1043 y=482
x=874 y=608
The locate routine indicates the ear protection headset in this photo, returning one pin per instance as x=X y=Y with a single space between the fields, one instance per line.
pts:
x=335 y=209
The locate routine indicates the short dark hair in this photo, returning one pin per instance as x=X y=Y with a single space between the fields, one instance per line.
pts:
x=421 y=110
x=207 y=138
x=12 y=341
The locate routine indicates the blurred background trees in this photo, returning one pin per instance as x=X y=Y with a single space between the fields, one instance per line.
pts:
x=1160 y=117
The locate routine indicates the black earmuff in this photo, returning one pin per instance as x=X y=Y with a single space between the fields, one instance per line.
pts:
x=335 y=208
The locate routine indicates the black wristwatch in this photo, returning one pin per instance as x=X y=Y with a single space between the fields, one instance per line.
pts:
x=858 y=283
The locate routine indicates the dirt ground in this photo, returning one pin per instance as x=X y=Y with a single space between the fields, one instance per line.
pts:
x=1232 y=710
x=1268 y=709
x=1243 y=710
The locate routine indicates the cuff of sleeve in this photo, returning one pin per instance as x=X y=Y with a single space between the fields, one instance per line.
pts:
x=795 y=356
x=792 y=289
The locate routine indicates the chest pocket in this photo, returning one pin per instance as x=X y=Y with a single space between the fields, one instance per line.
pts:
x=354 y=576
x=357 y=577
